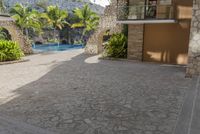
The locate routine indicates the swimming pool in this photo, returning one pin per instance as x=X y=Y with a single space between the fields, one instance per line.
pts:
x=54 y=47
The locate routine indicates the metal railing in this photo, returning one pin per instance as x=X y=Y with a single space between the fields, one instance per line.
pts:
x=143 y=12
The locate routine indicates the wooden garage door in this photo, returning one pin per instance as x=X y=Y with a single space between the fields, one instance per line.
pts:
x=166 y=43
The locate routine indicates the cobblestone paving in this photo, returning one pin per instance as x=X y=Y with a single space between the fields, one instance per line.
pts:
x=101 y=97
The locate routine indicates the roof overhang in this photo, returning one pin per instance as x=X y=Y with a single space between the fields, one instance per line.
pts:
x=145 y=21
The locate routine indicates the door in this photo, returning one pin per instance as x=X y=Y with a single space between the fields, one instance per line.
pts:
x=166 y=43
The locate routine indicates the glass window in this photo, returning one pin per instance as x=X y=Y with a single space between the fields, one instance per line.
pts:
x=165 y=2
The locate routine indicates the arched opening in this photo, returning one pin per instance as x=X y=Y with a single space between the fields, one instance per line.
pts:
x=38 y=42
x=64 y=42
x=4 y=34
x=106 y=35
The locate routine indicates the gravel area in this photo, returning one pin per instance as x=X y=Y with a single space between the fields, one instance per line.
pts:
x=73 y=93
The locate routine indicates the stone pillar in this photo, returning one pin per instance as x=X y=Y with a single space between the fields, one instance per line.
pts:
x=135 y=41
x=194 y=45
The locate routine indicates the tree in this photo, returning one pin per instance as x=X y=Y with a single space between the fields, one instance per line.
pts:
x=56 y=18
x=26 y=18
x=88 y=20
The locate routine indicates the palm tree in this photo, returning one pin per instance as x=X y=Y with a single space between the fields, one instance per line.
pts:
x=26 y=18
x=88 y=20
x=56 y=18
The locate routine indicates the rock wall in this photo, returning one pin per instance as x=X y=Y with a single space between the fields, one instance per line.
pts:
x=107 y=22
x=70 y=5
x=194 y=46
x=17 y=35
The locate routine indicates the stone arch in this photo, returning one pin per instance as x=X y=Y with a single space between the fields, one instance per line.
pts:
x=38 y=42
x=16 y=34
x=107 y=21
x=95 y=42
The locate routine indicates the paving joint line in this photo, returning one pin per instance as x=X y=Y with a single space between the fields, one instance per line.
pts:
x=193 y=105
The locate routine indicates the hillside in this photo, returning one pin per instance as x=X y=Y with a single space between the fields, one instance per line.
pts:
x=64 y=4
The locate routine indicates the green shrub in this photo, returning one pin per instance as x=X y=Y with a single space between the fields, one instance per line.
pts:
x=78 y=42
x=9 y=51
x=52 y=40
x=117 y=46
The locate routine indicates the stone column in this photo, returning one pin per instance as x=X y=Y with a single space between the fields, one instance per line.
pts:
x=135 y=41
x=194 y=45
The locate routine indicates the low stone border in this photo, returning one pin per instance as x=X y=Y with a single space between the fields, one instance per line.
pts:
x=12 y=62
x=118 y=59
x=138 y=61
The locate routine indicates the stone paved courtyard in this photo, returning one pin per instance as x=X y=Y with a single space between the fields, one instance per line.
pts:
x=72 y=93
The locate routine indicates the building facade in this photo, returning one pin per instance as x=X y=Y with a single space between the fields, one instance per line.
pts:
x=159 y=30
x=164 y=31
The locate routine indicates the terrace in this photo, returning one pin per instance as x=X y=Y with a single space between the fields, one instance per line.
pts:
x=69 y=92
x=149 y=12
x=146 y=13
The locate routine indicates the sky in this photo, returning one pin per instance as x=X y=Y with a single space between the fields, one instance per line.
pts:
x=101 y=2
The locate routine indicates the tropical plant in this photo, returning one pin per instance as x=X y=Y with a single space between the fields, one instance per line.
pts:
x=26 y=18
x=4 y=34
x=117 y=46
x=88 y=20
x=9 y=51
x=56 y=18
x=52 y=40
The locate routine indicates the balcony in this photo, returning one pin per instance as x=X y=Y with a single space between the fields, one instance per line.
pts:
x=146 y=14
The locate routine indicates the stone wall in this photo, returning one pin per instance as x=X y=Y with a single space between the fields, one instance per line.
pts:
x=194 y=46
x=16 y=35
x=135 y=36
x=107 y=22
x=135 y=41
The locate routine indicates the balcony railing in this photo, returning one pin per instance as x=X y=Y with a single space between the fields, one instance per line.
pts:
x=145 y=12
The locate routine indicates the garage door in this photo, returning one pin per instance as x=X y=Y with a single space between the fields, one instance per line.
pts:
x=166 y=43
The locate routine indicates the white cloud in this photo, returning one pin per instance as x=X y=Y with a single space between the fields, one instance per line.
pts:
x=101 y=2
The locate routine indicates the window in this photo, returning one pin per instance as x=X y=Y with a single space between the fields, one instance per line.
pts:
x=165 y=2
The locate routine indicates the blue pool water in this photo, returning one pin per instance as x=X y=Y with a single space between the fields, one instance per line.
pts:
x=54 y=47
